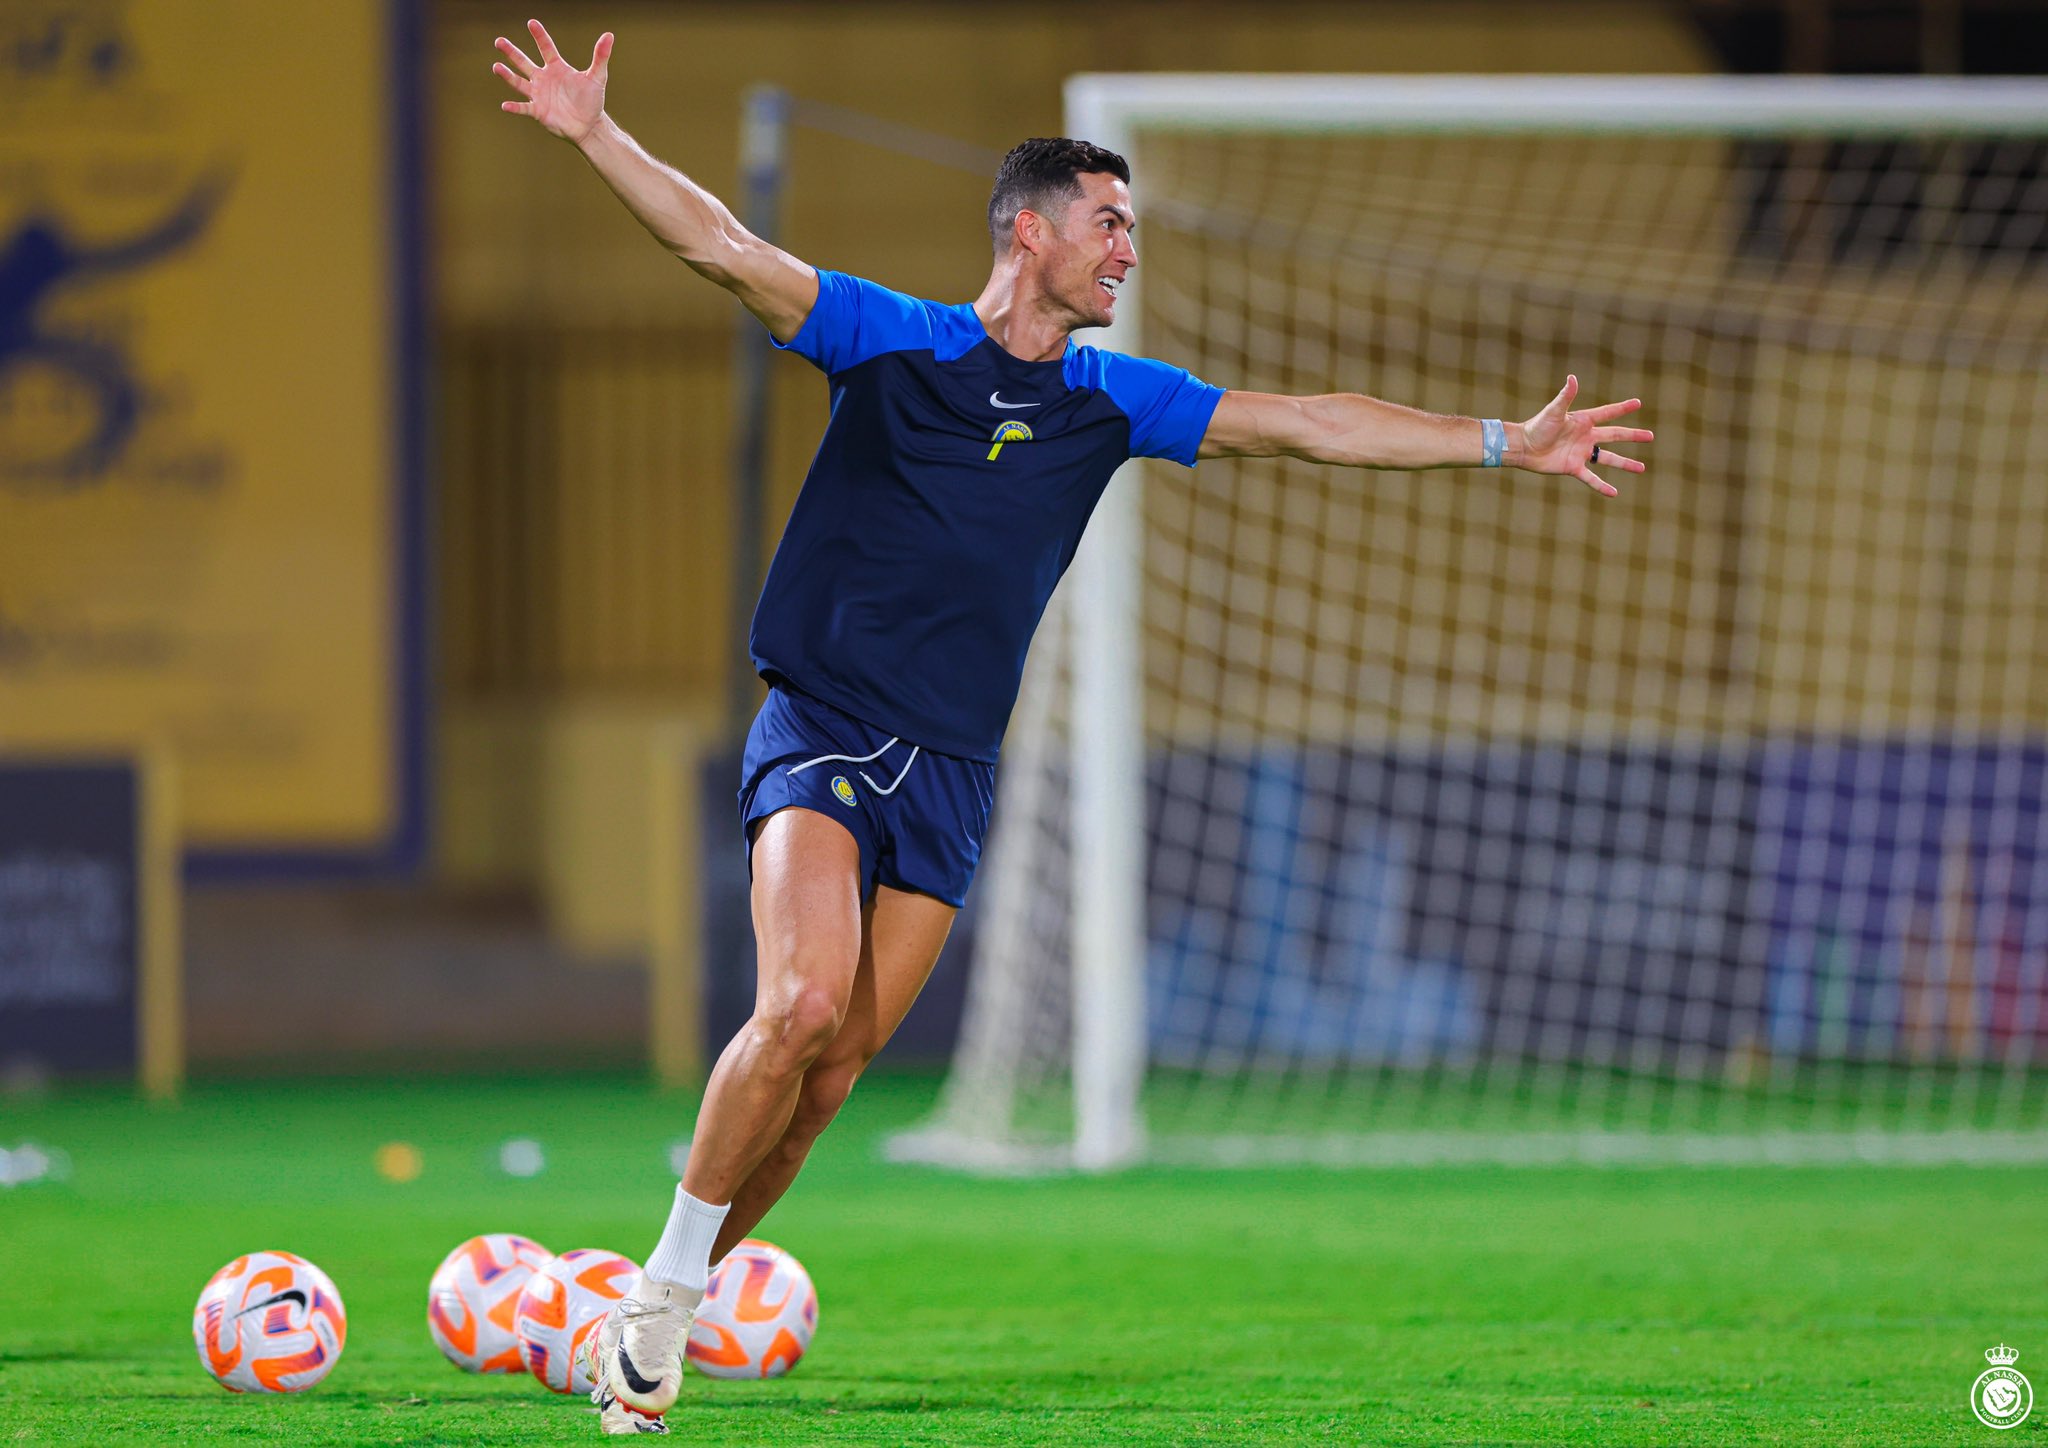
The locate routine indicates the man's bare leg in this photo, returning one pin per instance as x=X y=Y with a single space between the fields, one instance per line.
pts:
x=808 y=933
x=807 y=926
x=900 y=943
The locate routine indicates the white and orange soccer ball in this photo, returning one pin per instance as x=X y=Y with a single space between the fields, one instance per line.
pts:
x=759 y=1314
x=562 y=1305
x=472 y=1297
x=270 y=1322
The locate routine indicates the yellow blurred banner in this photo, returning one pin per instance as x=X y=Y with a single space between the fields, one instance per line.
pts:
x=207 y=533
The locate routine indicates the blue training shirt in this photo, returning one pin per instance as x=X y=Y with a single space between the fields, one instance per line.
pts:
x=945 y=501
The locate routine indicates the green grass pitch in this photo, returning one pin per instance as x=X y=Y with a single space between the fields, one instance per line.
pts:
x=1443 y=1306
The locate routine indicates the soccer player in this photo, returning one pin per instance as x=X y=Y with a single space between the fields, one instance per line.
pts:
x=965 y=447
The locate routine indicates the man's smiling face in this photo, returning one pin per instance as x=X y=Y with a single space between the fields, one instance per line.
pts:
x=1088 y=252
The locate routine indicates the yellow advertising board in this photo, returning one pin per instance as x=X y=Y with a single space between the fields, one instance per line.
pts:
x=208 y=480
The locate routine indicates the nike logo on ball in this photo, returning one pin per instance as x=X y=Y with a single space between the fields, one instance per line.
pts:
x=995 y=399
x=294 y=1295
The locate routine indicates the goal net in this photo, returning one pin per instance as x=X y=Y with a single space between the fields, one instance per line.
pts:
x=1380 y=817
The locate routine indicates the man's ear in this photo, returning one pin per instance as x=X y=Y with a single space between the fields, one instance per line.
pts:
x=1031 y=229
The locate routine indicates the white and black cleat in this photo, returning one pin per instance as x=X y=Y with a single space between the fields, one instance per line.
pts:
x=638 y=1350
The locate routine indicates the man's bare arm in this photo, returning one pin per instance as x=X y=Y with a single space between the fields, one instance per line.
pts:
x=1352 y=430
x=683 y=216
x=702 y=231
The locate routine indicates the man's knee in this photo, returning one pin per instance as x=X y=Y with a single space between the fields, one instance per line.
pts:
x=795 y=1025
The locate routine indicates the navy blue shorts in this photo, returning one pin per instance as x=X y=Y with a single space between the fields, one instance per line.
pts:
x=918 y=816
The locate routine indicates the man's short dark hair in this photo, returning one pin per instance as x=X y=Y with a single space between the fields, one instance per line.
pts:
x=1043 y=174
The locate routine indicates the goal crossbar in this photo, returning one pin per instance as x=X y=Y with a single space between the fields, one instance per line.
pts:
x=1107 y=104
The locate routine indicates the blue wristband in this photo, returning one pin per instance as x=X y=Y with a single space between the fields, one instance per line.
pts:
x=1493 y=442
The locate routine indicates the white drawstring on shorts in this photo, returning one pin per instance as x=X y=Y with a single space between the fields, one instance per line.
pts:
x=865 y=759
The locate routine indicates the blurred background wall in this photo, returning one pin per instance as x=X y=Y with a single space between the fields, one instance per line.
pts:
x=579 y=416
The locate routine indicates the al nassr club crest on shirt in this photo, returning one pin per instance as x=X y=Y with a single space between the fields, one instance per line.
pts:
x=1008 y=430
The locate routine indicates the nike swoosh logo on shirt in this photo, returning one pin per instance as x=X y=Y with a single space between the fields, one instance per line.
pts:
x=995 y=399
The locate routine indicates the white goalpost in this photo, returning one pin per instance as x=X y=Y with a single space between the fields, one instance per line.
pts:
x=1359 y=818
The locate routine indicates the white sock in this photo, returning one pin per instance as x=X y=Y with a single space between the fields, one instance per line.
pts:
x=682 y=1258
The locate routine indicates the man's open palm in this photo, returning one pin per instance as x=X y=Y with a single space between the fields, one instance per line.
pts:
x=1560 y=441
x=567 y=101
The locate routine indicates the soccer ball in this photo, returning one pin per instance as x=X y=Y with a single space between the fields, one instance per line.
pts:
x=472 y=1297
x=758 y=1317
x=270 y=1322
x=563 y=1303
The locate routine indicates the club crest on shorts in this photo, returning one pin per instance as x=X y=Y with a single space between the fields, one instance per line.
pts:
x=1009 y=430
x=845 y=791
x=2001 y=1397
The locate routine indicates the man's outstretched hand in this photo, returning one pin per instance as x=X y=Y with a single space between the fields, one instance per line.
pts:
x=567 y=101
x=1560 y=441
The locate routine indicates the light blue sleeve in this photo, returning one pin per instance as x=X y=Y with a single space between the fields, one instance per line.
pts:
x=1169 y=407
x=854 y=320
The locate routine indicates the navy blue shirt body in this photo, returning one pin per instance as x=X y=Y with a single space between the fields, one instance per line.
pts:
x=946 y=499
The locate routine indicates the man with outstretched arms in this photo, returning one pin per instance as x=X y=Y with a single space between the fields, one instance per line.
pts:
x=965 y=448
